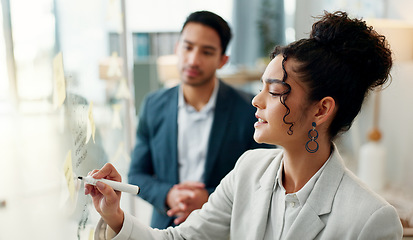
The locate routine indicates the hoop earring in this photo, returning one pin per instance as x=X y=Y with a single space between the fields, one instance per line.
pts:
x=312 y=139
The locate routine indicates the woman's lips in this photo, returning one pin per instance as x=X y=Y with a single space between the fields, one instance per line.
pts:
x=260 y=121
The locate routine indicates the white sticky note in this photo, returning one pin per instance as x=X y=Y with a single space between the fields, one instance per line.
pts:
x=68 y=171
x=59 y=90
x=114 y=15
x=127 y=157
x=114 y=68
x=114 y=12
x=116 y=120
x=118 y=153
x=121 y=153
x=91 y=128
x=123 y=90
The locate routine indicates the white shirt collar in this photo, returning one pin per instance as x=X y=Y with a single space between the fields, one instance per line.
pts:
x=305 y=191
x=208 y=107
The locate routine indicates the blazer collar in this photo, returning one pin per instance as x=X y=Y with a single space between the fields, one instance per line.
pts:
x=224 y=101
x=262 y=200
x=171 y=120
x=322 y=196
x=320 y=201
x=221 y=120
x=308 y=223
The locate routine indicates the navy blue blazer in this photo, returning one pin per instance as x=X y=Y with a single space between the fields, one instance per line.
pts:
x=154 y=165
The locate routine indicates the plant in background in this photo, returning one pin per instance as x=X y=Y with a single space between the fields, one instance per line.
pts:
x=271 y=25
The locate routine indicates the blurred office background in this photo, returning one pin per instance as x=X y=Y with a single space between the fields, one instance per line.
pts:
x=115 y=52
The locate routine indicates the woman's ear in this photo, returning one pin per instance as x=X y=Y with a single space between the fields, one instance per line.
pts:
x=326 y=109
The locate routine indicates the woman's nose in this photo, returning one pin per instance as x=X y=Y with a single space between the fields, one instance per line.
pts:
x=256 y=101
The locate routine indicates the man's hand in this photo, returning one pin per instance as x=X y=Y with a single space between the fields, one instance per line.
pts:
x=185 y=197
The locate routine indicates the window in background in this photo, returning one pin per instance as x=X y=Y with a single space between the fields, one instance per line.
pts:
x=289 y=14
x=156 y=30
x=4 y=84
x=148 y=16
x=33 y=39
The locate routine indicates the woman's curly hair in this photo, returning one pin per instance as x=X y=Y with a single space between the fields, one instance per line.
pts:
x=343 y=58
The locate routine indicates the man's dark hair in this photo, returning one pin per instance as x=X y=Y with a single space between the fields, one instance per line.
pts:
x=213 y=21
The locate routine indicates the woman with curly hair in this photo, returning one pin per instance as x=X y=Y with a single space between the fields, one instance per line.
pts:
x=311 y=91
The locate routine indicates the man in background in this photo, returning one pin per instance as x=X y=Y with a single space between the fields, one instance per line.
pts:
x=190 y=136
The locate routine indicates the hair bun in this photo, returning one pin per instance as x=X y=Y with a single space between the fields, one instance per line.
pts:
x=355 y=43
x=337 y=31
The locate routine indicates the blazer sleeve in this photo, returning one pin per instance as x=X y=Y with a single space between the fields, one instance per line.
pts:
x=382 y=224
x=141 y=171
x=210 y=222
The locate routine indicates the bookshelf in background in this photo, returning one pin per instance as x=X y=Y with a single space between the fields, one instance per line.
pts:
x=147 y=47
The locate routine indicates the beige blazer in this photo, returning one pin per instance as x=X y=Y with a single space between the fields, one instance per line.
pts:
x=338 y=207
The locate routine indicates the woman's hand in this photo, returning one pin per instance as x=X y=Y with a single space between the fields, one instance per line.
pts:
x=105 y=199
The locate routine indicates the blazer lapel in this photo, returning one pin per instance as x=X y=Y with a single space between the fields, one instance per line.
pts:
x=262 y=200
x=171 y=142
x=308 y=223
x=221 y=120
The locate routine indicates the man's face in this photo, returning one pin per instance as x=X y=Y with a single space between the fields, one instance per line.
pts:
x=199 y=54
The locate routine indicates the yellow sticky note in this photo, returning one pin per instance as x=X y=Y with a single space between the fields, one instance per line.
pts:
x=59 y=90
x=116 y=121
x=91 y=234
x=123 y=90
x=68 y=170
x=91 y=128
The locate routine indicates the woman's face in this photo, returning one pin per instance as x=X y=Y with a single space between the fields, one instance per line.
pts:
x=270 y=127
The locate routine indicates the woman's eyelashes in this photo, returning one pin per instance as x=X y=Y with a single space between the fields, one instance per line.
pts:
x=275 y=89
x=274 y=94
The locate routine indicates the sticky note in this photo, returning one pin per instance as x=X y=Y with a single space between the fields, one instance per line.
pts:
x=91 y=128
x=121 y=152
x=59 y=90
x=68 y=171
x=123 y=90
x=91 y=234
x=118 y=153
x=116 y=120
x=127 y=157
x=114 y=68
x=114 y=12
x=114 y=15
